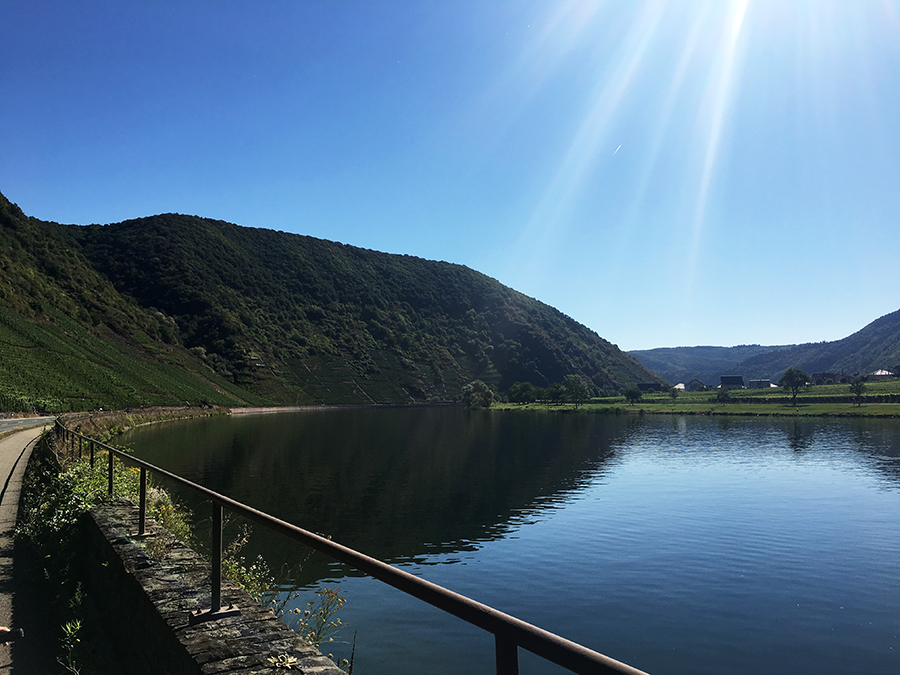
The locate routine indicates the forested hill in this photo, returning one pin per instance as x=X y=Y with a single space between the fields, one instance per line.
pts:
x=294 y=319
x=70 y=340
x=874 y=347
x=871 y=348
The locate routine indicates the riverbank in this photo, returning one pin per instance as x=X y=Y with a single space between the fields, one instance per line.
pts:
x=879 y=399
x=104 y=424
x=291 y=408
x=841 y=410
x=108 y=423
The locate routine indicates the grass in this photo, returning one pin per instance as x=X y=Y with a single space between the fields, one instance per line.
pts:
x=58 y=365
x=881 y=399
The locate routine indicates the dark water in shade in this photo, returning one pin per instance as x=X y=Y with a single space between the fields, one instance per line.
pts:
x=676 y=544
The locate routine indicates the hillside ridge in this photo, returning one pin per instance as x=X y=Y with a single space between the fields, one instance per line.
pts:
x=873 y=347
x=290 y=319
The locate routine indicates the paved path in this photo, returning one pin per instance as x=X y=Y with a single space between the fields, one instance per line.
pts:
x=24 y=423
x=27 y=656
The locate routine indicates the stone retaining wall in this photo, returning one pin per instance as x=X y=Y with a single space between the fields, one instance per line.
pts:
x=146 y=604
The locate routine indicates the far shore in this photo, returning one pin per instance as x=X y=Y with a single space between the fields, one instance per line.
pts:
x=825 y=410
x=332 y=406
x=279 y=409
x=139 y=416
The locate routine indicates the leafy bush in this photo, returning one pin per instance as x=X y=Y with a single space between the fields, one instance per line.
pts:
x=633 y=395
x=476 y=395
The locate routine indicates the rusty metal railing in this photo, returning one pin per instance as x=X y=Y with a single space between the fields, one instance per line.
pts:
x=509 y=632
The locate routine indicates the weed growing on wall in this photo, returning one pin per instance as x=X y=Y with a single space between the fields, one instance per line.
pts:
x=61 y=486
x=52 y=501
x=256 y=577
x=317 y=623
x=71 y=643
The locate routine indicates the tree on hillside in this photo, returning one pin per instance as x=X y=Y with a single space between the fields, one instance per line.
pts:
x=633 y=395
x=575 y=389
x=555 y=392
x=858 y=388
x=477 y=395
x=521 y=392
x=794 y=380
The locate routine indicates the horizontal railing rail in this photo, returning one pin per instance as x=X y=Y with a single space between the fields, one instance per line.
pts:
x=509 y=632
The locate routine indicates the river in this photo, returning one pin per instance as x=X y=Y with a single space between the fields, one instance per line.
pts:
x=675 y=544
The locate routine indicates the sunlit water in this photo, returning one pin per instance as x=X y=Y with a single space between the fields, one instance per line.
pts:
x=675 y=544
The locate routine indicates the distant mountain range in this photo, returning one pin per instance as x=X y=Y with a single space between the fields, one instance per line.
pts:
x=877 y=346
x=173 y=309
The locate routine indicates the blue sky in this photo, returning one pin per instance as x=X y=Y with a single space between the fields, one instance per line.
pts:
x=667 y=172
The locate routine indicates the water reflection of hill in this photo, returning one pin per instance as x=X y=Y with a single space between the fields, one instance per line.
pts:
x=877 y=440
x=397 y=484
x=424 y=484
x=874 y=441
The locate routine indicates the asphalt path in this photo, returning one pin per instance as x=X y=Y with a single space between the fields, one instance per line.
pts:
x=24 y=423
x=19 y=607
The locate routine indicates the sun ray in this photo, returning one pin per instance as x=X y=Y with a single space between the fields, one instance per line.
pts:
x=528 y=75
x=720 y=90
x=662 y=128
x=548 y=221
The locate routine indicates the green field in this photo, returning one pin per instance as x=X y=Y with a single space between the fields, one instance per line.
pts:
x=881 y=399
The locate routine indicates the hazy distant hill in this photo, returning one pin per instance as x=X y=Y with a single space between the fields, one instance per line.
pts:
x=682 y=364
x=264 y=315
x=875 y=346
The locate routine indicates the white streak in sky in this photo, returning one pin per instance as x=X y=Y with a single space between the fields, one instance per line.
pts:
x=721 y=89
x=550 y=218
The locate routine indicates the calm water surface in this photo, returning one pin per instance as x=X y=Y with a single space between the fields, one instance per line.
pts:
x=676 y=544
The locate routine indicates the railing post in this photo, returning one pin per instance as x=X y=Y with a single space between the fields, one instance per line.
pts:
x=80 y=446
x=507 y=653
x=216 y=554
x=110 y=472
x=215 y=610
x=142 y=509
x=92 y=444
